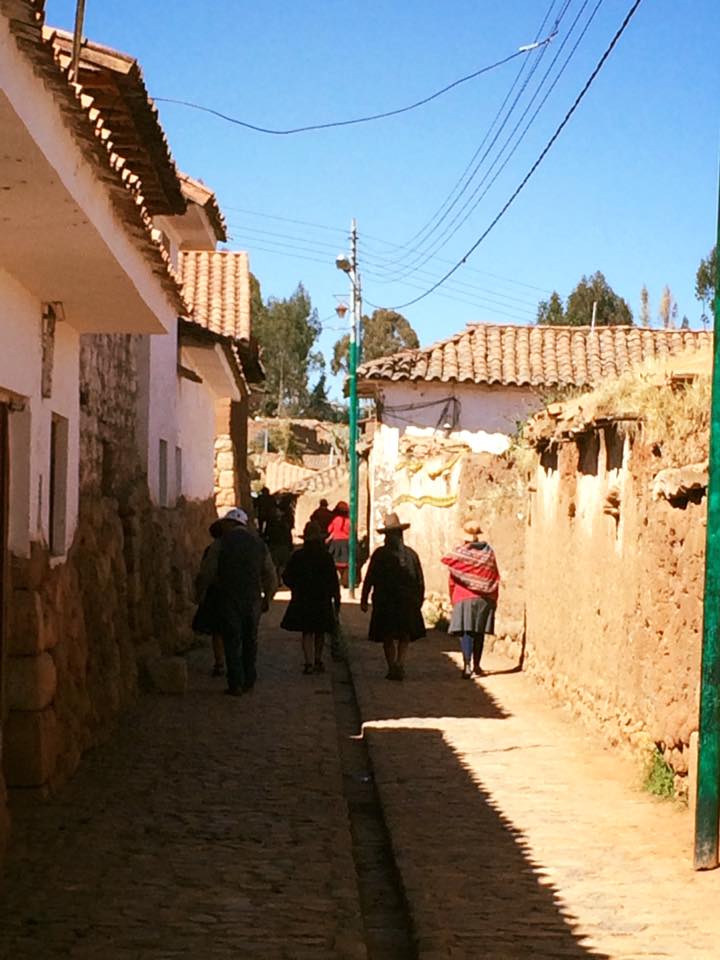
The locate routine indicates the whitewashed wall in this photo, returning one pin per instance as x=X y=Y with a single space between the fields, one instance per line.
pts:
x=20 y=373
x=491 y=413
x=196 y=416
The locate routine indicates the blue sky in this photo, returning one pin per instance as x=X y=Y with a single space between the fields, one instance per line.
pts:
x=630 y=188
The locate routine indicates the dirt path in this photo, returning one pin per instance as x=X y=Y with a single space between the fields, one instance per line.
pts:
x=515 y=834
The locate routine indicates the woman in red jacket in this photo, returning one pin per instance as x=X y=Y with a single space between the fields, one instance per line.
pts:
x=474 y=586
x=338 y=539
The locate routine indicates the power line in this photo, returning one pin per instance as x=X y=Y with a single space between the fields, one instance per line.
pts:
x=301 y=247
x=442 y=212
x=378 y=255
x=548 y=146
x=366 y=119
x=319 y=246
x=451 y=295
x=474 y=200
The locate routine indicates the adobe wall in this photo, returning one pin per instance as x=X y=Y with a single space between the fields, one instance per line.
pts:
x=614 y=585
x=77 y=630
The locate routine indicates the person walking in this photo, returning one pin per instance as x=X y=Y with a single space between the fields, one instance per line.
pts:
x=278 y=536
x=205 y=620
x=339 y=539
x=246 y=583
x=474 y=587
x=314 y=596
x=264 y=507
x=395 y=580
x=322 y=515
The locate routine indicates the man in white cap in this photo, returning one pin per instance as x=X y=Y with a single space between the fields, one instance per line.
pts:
x=246 y=583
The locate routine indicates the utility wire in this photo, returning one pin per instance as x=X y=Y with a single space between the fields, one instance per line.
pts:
x=306 y=245
x=430 y=225
x=523 y=183
x=472 y=202
x=299 y=247
x=374 y=252
x=367 y=119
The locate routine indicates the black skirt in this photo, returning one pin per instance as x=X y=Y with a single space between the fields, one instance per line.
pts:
x=340 y=552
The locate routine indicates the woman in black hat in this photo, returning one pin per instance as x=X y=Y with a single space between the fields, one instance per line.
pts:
x=395 y=578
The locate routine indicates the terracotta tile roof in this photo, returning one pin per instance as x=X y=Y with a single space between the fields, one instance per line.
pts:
x=196 y=191
x=25 y=19
x=216 y=284
x=533 y=355
x=115 y=82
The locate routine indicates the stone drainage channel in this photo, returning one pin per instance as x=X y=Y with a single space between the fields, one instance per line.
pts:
x=388 y=933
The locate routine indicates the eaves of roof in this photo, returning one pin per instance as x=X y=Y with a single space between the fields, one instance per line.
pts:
x=196 y=191
x=25 y=19
x=115 y=82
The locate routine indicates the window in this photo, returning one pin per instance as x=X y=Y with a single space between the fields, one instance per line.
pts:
x=178 y=472
x=163 y=474
x=58 y=485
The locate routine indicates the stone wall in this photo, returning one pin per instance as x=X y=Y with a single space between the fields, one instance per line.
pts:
x=78 y=629
x=232 y=481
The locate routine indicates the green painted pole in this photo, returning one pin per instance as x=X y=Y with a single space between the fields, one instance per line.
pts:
x=353 y=425
x=707 y=810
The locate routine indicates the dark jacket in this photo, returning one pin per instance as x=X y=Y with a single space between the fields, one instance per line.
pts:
x=314 y=589
x=245 y=571
x=395 y=578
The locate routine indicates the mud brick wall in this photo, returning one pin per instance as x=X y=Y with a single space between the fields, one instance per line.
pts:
x=614 y=586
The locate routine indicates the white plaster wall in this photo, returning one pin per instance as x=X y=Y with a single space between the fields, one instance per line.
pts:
x=493 y=411
x=196 y=421
x=20 y=371
x=158 y=396
x=38 y=110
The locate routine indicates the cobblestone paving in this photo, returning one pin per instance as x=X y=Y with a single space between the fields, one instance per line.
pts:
x=208 y=827
x=515 y=834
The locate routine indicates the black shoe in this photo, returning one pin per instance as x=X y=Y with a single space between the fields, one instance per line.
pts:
x=234 y=691
x=466 y=672
x=218 y=670
x=319 y=667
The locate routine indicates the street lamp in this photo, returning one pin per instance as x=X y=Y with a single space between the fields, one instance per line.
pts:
x=348 y=265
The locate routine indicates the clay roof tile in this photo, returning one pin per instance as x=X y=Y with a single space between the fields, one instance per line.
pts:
x=534 y=355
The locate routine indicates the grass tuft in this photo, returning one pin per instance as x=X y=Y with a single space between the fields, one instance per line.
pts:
x=659 y=777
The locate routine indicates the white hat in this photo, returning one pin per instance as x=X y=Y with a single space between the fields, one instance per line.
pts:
x=237 y=514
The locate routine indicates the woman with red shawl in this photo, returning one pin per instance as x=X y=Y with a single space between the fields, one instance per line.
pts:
x=474 y=586
x=338 y=539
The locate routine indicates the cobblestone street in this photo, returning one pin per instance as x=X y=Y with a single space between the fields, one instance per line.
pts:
x=208 y=827
x=217 y=828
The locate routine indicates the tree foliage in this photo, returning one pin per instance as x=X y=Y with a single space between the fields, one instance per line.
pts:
x=382 y=333
x=705 y=281
x=551 y=311
x=286 y=331
x=611 y=309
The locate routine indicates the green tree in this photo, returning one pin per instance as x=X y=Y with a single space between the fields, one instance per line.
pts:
x=383 y=332
x=551 y=311
x=705 y=282
x=319 y=406
x=612 y=310
x=644 y=307
x=286 y=331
